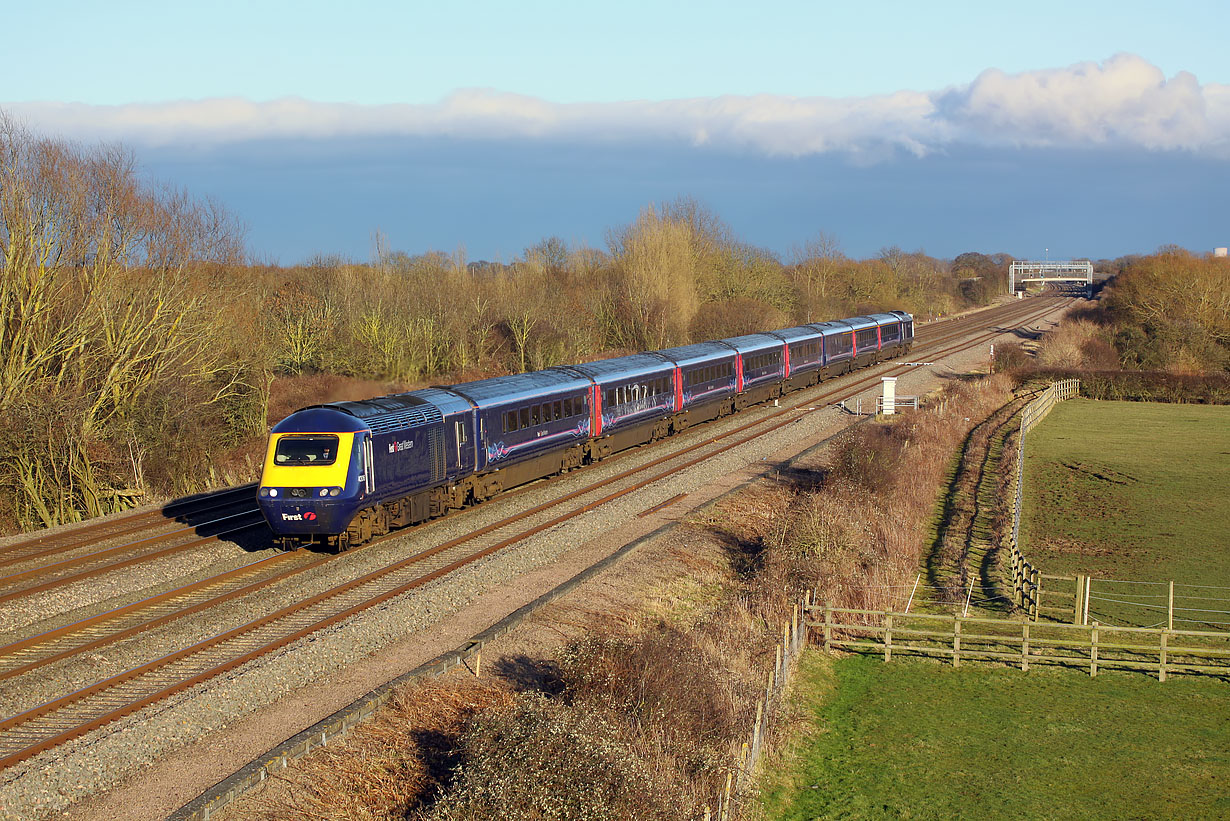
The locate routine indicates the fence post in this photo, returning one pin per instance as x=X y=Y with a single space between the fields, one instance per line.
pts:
x=956 y=642
x=1024 y=646
x=1161 y=665
x=888 y=636
x=1017 y=590
x=1093 y=650
x=1035 y=600
x=1078 y=605
x=756 y=726
x=1170 y=608
x=828 y=626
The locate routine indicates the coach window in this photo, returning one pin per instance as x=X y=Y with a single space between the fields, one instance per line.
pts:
x=510 y=421
x=568 y=408
x=525 y=417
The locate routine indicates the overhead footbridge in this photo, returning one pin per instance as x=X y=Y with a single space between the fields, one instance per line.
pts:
x=1074 y=271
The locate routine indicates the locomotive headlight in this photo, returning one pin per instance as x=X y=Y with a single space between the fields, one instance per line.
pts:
x=324 y=491
x=334 y=491
x=264 y=491
x=273 y=491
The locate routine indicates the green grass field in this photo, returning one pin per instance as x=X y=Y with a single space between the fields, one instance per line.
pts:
x=919 y=740
x=1130 y=490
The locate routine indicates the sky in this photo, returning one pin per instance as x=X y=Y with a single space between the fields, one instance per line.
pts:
x=1067 y=129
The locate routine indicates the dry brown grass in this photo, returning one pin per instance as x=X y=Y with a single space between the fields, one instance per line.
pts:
x=384 y=768
x=862 y=536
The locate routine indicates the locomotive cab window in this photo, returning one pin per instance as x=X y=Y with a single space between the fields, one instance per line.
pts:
x=306 y=450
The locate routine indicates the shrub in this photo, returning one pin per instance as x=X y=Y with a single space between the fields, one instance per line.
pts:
x=539 y=760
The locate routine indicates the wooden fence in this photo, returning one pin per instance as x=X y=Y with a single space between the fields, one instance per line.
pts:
x=1091 y=647
x=1027 y=580
x=739 y=777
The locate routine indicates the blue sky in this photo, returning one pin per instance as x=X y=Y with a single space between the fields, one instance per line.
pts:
x=939 y=126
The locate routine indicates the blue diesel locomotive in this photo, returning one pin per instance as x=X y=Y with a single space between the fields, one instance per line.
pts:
x=339 y=474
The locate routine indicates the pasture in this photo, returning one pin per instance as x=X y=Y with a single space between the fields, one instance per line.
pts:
x=915 y=739
x=1129 y=490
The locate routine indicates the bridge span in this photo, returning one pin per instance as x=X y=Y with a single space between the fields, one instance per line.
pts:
x=1079 y=270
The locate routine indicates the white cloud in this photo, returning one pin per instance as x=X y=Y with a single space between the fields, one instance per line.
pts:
x=1124 y=101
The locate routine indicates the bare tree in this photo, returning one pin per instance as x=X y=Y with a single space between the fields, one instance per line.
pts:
x=816 y=264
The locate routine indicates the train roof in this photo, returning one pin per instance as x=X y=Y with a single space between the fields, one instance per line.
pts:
x=686 y=355
x=797 y=333
x=620 y=367
x=320 y=419
x=883 y=318
x=443 y=398
x=833 y=326
x=749 y=343
x=386 y=413
x=520 y=387
x=858 y=323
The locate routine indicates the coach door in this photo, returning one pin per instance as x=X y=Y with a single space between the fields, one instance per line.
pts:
x=368 y=478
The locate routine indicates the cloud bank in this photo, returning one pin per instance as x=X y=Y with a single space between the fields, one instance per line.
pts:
x=1122 y=102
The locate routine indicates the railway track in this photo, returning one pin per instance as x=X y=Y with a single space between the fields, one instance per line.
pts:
x=43 y=564
x=46 y=725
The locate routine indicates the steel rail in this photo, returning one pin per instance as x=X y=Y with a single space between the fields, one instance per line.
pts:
x=82 y=534
x=90 y=625
x=64 y=708
x=120 y=563
x=142 y=616
x=138 y=522
x=87 y=559
x=57 y=550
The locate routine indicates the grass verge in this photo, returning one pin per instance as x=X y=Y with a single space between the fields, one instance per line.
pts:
x=1129 y=490
x=914 y=739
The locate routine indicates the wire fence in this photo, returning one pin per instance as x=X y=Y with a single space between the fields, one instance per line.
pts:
x=740 y=776
x=1158 y=604
x=1082 y=599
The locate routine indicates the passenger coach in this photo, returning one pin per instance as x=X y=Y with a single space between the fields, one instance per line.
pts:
x=343 y=472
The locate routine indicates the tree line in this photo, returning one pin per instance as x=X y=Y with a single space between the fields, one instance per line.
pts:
x=1166 y=313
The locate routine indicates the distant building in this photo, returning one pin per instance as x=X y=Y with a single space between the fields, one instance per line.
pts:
x=1219 y=252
